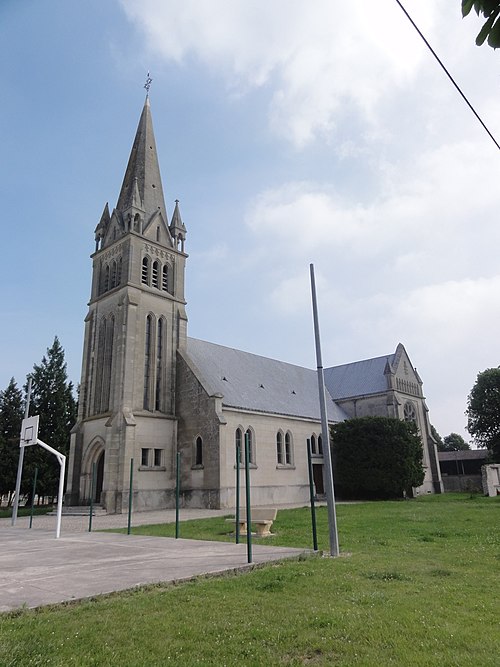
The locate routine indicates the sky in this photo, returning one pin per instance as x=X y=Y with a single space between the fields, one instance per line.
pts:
x=292 y=133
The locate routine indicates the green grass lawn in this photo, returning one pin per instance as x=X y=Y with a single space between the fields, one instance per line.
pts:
x=418 y=584
x=6 y=512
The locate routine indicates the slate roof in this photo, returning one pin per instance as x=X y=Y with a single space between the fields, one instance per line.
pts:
x=251 y=382
x=359 y=378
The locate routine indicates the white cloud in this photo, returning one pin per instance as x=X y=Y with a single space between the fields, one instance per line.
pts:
x=320 y=59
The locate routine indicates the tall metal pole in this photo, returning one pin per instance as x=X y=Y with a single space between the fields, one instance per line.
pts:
x=60 y=493
x=33 y=495
x=92 y=491
x=327 y=457
x=131 y=486
x=237 y=517
x=177 y=488
x=21 y=459
x=247 y=482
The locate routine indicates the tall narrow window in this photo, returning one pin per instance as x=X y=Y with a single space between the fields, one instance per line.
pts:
x=107 y=365
x=164 y=278
x=158 y=456
x=147 y=360
x=159 y=364
x=101 y=344
x=320 y=445
x=145 y=457
x=154 y=275
x=251 y=446
x=313 y=444
x=288 y=448
x=198 y=460
x=119 y=271
x=239 y=443
x=112 y=279
x=106 y=279
x=279 y=447
x=145 y=271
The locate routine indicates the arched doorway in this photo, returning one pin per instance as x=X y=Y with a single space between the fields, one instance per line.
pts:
x=99 y=477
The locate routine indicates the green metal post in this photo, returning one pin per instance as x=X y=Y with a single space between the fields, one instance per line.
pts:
x=311 y=495
x=33 y=496
x=130 y=496
x=177 y=489
x=247 y=482
x=237 y=518
x=92 y=487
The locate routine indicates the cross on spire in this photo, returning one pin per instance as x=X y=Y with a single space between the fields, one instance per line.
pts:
x=148 y=83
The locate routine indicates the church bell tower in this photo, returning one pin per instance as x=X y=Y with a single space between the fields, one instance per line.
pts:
x=135 y=324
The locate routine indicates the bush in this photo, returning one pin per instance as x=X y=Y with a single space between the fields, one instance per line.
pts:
x=376 y=457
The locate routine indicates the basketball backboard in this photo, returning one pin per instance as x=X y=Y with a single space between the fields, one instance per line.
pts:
x=29 y=431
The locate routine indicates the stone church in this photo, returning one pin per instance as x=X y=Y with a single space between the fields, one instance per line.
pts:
x=149 y=391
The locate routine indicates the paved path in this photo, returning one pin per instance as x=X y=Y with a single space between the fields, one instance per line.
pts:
x=77 y=524
x=38 y=569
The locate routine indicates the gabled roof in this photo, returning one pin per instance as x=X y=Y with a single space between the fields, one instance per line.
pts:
x=143 y=172
x=358 y=378
x=251 y=382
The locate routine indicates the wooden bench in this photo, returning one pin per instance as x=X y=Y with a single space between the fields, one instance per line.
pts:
x=262 y=519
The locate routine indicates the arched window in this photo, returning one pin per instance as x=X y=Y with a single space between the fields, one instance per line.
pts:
x=288 y=449
x=119 y=272
x=279 y=448
x=145 y=271
x=108 y=361
x=198 y=453
x=409 y=412
x=313 y=444
x=320 y=445
x=106 y=279
x=164 y=278
x=112 y=280
x=159 y=363
x=155 y=275
x=101 y=345
x=238 y=441
x=251 y=446
x=147 y=360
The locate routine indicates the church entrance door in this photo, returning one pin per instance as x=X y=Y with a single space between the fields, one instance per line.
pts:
x=99 y=478
x=318 y=479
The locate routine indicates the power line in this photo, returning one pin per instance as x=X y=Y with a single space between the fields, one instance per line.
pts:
x=448 y=75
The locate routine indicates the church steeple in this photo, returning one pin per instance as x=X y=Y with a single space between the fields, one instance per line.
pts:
x=142 y=191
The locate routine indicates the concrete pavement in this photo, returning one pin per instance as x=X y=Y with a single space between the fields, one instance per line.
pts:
x=38 y=569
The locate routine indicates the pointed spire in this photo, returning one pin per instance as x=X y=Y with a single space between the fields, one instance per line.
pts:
x=142 y=188
x=177 y=228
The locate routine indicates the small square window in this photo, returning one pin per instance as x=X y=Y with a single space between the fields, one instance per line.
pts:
x=145 y=457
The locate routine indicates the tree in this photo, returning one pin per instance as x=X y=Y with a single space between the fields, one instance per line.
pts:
x=377 y=457
x=490 y=9
x=483 y=411
x=11 y=416
x=52 y=398
x=454 y=443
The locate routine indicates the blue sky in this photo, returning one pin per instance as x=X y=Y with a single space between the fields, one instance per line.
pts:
x=289 y=137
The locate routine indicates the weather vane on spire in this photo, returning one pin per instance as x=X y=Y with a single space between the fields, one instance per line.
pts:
x=148 y=83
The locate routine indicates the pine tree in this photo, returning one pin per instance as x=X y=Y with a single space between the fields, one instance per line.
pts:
x=53 y=400
x=11 y=416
